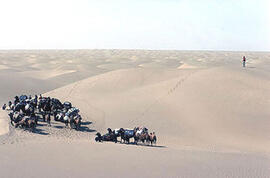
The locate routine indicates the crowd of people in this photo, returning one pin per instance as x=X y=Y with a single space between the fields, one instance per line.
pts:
x=139 y=134
x=26 y=111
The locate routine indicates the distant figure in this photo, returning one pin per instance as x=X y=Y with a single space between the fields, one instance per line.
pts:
x=109 y=131
x=16 y=100
x=4 y=107
x=244 y=61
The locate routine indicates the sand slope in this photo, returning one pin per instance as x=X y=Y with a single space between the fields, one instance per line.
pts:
x=211 y=116
x=209 y=108
x=4 y=127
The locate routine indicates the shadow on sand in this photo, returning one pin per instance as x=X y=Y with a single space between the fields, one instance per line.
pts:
x=83 y=127
x=144 y=145
x=140 y=144
x=41 y=124
x=40 y=131
x=86 y=129
x=86 y=123
x=59 y=126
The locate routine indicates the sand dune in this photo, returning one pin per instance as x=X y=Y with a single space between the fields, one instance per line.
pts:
x=181 y=105
x=211 y=115
x=47 y=74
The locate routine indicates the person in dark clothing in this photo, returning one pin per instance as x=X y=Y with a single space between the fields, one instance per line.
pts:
x=35 y=100
x=16 y=100
x=109 y=131
x=4 y=107
x=244 y=61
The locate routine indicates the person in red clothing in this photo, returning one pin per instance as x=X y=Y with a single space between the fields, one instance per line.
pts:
x=244 y=61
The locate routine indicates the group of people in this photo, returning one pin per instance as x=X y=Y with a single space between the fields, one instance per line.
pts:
x=139 y=134
x=25 y=111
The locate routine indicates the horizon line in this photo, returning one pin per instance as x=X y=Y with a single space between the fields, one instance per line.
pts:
x=126 y=49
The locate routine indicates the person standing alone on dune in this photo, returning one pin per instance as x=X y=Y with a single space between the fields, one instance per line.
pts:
x=244 y=61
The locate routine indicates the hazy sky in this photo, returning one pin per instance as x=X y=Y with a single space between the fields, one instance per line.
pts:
x=140 y=24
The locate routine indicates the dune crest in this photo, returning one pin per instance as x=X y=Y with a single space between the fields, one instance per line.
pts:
x=47 y=74
x=186 y=66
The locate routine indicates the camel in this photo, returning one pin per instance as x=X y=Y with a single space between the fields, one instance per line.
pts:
x=126 y=135
x=141 y=134
x=75 y=122
x=107 y=137
x=19 y=120
x=152 y=138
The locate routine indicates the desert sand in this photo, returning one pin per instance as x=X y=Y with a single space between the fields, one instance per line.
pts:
x=211 y=115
